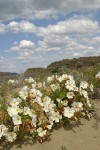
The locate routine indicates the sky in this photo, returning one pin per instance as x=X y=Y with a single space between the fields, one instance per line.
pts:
x=35 y=33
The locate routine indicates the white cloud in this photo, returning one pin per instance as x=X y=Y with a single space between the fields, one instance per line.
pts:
x=71 y=27
x=2 y=28
x=43 y=9
x=6 y=64
x=72 y=38
x=75 y=26
x=24 y=45
x=23 y=26
x=25 y=50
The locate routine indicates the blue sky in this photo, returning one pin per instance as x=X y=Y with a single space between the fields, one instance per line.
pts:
x=34 y=33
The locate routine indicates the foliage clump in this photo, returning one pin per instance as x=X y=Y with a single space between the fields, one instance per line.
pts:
x=37 y=107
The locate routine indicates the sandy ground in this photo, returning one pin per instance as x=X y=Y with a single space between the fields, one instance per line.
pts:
x=83 y=137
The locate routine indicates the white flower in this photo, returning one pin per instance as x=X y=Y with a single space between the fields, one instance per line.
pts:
x=28 y=111
x=64 y=103
x=41 y=132
x=70 y=95
x=12 y=111
x=24 y=92
x=13 y=82
x=70 y=85
x=15 y=101
x=47 y=100
x=69 y=112
x=55 y=116
x=54 y=87
x=34 y=93
x=78 y=106
x=91 y=87
x=70 y=77
x=58 y=100
x=34 y=119
x=62 y=78
x=11 y=136
x=88 y=103
x=84 y=85
x=17 y=120
x=39 y=85
x=50 y=79
x=75 y=89
x=3 y=130
x=49 y=127
x=30 y=80
x=84 y=93
x=98 y=75
x=16 y=128
x=39 y=93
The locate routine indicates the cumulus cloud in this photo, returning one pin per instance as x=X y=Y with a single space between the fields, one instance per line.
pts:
x=25 y=52
x=24 y=45
x=71 y=27
x=72 y=38
x=17 y=27
x=22 y=26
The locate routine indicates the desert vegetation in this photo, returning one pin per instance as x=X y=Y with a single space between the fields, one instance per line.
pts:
x=33 y=107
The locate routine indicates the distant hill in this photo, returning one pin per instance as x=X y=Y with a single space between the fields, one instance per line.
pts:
x=7 y=73
x=75 y=63
x=58 y=67
x=5 y=76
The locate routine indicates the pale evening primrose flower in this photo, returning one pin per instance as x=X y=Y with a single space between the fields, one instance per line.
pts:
x=70 y=85
x=50 y=79
x=15 y=101
x=69 y=112
x=13 y=82
x=12 y=111
x=78 y=106
x=3 y=130
x=17 y=120
x=11 y=136
x=54 y=87
x=98 y=75
x=41 y=132
x=84 y=85
x=70 y=95
x=30 y=80
x=91 y=87
x=84 y=93
x=24 y=92
x=88 y=103
x=28 y=111
x=56 y=116
x=62 y=78
x=34 y=119
x=16 y=128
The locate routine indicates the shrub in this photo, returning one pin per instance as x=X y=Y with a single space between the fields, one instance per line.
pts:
x=38 y=107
